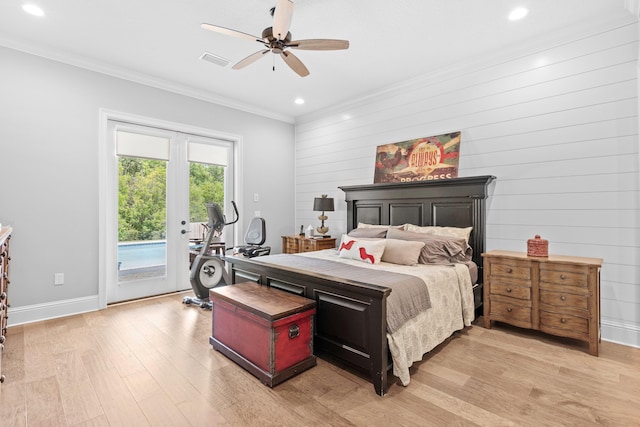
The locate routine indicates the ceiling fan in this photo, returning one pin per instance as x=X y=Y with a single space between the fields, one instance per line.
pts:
x=277 y=39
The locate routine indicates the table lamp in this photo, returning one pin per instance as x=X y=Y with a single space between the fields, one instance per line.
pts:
x=323 y=204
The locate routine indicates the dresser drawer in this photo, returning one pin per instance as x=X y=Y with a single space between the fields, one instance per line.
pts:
x=296 y=244
x=564 y=300
x=307 y=246
x=325 y=243
x=512 y=269
x=509 y=290
x=569 y=325
x=565 y=275
x=290 y=245
x=511 y=310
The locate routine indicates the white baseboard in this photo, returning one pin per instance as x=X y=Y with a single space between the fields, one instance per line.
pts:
x=620 y=333
x=51 y=310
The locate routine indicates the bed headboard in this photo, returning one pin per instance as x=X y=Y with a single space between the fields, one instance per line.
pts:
x=457 y=202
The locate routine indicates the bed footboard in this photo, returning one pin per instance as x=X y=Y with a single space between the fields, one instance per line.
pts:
x=350 y=322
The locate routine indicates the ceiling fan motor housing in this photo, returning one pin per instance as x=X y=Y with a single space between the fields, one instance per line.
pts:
x=276 y=46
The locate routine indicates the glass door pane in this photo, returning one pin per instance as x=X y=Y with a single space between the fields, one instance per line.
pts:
x=144 y=233
x=206 y=185
x=142 y=218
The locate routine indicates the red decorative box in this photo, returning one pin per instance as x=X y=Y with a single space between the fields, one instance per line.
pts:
x=537 y=247
x=267 y=331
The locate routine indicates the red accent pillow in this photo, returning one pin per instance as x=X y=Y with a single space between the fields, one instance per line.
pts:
x=369 y=251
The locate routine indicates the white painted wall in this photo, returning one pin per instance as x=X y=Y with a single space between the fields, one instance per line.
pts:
x=49 y=117
x=558 y=128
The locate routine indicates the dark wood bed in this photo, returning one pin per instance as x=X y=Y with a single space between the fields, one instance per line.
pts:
x=350 y=324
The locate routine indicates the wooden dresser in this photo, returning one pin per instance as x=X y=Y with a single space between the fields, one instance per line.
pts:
x=5 y=236
x=559 y=295
x=296 y=244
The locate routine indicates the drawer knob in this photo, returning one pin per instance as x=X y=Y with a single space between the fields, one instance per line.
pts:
x=2 y=339
x=563 y=320
x=563 y=298
x=562 y=276
x=3 y=296
x=509 y=270
x=509 y=309
x=508 y=289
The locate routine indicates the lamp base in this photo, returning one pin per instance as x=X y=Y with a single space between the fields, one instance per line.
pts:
x=322 y=230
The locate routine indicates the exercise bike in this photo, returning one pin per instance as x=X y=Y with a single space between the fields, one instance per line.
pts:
x=208 y=270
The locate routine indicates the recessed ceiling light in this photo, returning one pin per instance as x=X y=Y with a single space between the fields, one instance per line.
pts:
x=299 y=101
x=518 y=13
x=32 y=9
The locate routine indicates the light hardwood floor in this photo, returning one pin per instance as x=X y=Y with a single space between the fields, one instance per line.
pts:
x=149 y=363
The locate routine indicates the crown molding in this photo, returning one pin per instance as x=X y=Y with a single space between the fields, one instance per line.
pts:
x=140 y=78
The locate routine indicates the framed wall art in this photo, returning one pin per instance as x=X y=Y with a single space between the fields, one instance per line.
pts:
x=422 y=159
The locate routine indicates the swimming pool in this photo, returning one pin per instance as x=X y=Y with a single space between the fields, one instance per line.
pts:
x=136 y=255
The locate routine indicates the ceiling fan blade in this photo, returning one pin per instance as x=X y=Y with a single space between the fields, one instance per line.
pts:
x=230 y=32
x=250 y=59
x=282 y=18
x=295 y=64
x=319 y=44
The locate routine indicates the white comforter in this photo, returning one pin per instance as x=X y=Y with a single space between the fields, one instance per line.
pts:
x=452 y=308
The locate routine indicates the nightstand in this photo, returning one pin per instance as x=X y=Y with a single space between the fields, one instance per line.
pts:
x=296 y=244
x=558 y=295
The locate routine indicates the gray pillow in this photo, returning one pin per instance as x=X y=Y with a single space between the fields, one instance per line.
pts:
x=437 y=249
x=373 y=232
x=403 y=252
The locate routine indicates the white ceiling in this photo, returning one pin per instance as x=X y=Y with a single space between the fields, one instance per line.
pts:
x=159 y=42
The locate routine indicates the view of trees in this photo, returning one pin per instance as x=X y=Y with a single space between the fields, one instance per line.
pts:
x=142 y=194
x=206 y=185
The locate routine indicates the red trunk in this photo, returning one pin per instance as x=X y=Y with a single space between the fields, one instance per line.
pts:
x=266 y=331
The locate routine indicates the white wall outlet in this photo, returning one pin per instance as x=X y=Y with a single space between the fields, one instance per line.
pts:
x=256 y=197
x=58 y=279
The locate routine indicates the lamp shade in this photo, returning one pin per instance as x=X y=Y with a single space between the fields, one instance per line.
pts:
x=324 y=204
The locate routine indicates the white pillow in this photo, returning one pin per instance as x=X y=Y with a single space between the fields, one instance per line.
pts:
x=458 y=232
x=369 y=251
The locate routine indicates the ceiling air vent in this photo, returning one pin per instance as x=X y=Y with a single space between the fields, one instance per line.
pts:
x=215 y=59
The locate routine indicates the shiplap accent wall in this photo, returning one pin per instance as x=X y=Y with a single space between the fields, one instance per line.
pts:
x=558 y=128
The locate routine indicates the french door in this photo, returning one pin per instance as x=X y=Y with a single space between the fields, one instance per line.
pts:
x=157 y=179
